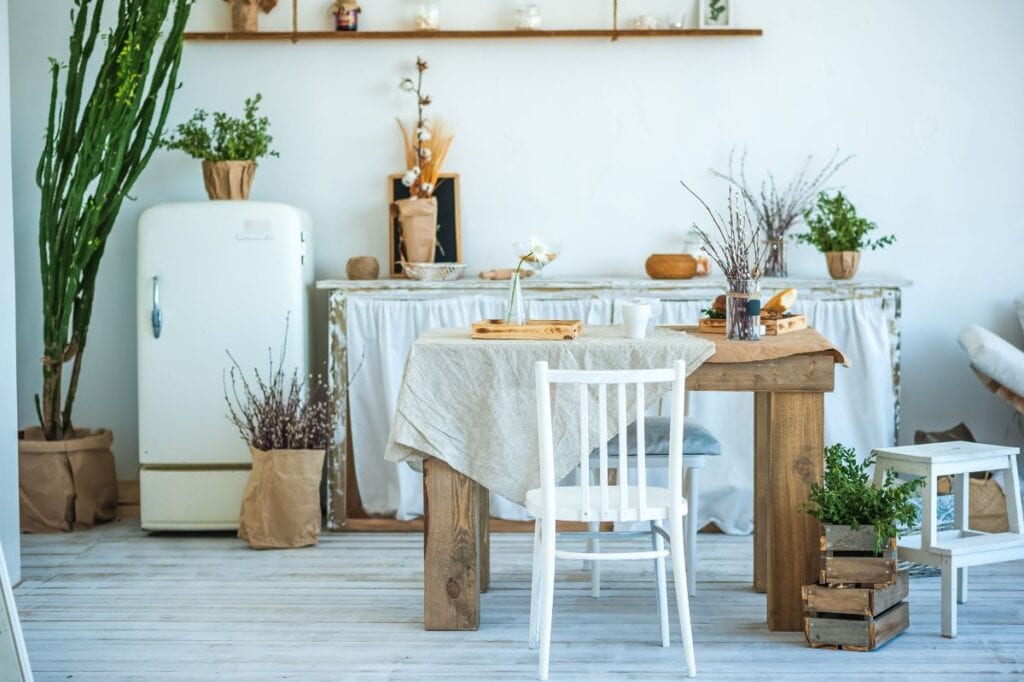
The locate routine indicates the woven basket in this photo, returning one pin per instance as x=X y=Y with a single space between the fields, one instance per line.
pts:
x=433 y=272
x=671 y=266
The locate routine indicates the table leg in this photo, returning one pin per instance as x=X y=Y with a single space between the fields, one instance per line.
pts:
x=794 y=440
x=451 y=536
x=762 y=450
x=484 y=528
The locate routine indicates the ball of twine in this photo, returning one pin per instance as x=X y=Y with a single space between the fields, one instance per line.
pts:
x=363 y=267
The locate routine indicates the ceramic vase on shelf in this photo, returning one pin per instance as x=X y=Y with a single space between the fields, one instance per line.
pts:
x=515 y=313
x=775 y=259
x=528 y=17
x=417 y=219
x=842 y=264
x=743 y=310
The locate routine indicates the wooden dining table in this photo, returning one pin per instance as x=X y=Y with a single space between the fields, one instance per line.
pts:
x=789 y=440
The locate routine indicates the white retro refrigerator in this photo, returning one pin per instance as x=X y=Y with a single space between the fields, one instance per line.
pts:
x=213 y=277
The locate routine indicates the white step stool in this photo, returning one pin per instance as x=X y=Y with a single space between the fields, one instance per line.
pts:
x=954 y=550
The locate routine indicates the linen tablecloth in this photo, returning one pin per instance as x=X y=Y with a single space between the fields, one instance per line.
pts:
x=472 y=402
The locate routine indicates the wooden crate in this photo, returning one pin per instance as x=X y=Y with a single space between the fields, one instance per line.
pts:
x=772 y=327
x=542 y=330
x=853 y=633
x=856 y=601
x=848 y=558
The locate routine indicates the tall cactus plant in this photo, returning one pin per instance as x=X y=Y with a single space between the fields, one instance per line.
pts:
x=97 y=143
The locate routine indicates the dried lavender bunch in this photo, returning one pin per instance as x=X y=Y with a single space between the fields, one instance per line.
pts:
x=778 y=209
x=275 y=412
x=737 y=248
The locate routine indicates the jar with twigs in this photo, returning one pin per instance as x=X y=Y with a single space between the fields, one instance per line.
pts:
x=736 y=246
x=426 y=147
x=779 y=208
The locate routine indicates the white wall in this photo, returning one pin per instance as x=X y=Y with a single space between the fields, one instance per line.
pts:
x=9 y=526
x=584 y=141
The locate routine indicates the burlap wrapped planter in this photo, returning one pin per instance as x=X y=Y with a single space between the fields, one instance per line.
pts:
x=228 y=179
x=281 y=503
x=418 y=221
x=842 y=264
x=66 y=484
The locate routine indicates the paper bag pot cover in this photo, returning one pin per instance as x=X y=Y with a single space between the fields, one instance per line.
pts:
x=66 y=484
x=228 y=179
x=418 y=221
x=281 y=503
x=842 y=264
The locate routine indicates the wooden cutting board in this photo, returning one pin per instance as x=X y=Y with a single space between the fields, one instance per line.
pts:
x=537 y=330
x=772 y=327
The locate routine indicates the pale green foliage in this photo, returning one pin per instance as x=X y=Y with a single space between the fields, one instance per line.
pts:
x=835 y=226
x=230 y=139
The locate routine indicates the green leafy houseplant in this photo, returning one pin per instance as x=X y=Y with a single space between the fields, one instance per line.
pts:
x=848 y=498
x=835 y=226
x=230 y=139
x=105 y=121
x=229 y=150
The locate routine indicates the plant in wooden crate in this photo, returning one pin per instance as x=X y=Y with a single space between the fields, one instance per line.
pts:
x=858 y=603
x=426 y=147
x=779 y=208
x=737 y=248
x=838 y=232
x=105 y=118
x=287 y=424
x=229 y=150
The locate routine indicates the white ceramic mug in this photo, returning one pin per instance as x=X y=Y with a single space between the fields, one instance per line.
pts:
x=635 y=317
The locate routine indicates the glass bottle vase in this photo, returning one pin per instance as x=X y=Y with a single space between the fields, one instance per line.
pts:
x=516 y=311
x=743 y=310
x=775 y=258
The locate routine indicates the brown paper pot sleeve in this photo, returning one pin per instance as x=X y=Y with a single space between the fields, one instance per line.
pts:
x=417 y=219
x=66 y=484
x=842 y=264
x=281 y=503
x=228 y=179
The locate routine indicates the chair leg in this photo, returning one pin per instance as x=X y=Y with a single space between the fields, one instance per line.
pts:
x=961 y=585
x=659 y=577
x=594 y=546
x=547 y=594
x=535 y=586
x=948 y=598
x=676 y=539
x=692 y=479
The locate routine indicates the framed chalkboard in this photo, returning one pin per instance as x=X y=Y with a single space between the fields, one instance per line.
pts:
x=449 y=235
x=13 y=659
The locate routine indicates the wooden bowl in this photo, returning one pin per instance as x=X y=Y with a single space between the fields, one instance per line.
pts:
x=671 y=266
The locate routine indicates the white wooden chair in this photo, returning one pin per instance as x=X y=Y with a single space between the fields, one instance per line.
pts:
x=604 y=502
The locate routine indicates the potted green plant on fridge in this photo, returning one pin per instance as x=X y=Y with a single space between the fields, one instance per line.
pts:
x=838 y=232
x=105 y=119
x=229 y=149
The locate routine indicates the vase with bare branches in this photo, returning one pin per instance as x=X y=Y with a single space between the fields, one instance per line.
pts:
x=778 y=208
x=737 y=247
x=426 y=147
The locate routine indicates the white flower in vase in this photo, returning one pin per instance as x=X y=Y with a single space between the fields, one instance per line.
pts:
x=538 y=252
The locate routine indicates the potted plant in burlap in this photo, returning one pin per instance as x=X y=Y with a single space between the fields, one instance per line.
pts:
x=105 y=119
x=229 y=150
x=245 y=14
x=426 y=147
x=287 y=424
x=838 y=232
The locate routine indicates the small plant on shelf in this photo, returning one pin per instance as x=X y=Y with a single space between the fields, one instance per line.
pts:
x=229 y=150
x=836 y=230
x=847 y=496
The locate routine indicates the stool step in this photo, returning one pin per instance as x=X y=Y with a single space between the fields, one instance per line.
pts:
x=965 y=542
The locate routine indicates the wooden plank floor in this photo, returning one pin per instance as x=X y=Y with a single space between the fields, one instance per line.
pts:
x=116 y=604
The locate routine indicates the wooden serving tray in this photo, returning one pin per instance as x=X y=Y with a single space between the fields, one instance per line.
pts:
x=772 y=327
x=542 y=330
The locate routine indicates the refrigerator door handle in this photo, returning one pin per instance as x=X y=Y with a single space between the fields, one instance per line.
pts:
x=157 y=316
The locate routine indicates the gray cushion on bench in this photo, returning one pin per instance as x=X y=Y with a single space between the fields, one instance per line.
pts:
x=697 y=439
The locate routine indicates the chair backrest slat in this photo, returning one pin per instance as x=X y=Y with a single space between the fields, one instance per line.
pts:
x=627 y=508
x=584 y=473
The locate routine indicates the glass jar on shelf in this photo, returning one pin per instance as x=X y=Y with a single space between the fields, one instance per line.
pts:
x=528 y=17
x=427 y=15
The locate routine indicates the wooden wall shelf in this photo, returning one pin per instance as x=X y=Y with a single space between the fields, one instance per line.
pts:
x=295 y=36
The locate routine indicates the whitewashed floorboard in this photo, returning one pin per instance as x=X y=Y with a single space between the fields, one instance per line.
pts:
x=115 y=604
